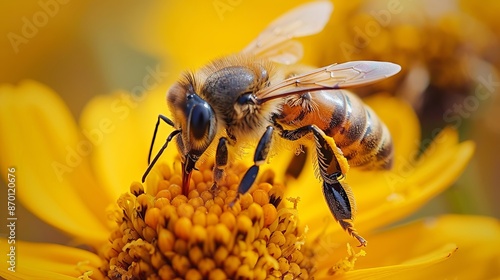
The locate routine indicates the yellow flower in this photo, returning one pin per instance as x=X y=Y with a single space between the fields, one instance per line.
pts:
x=78 y=179
x=68 y=177
x=442 y=50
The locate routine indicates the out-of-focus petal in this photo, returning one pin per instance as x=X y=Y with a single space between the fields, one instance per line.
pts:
x=34 y=31
x=221 y=20
x=125 y=125
x=435 y=171
x=48 y=261
x=211 y=34
x=40 y=139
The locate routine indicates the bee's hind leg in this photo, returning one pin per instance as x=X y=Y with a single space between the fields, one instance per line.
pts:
x=337 y=194
x=342 y=205
x=259 y=158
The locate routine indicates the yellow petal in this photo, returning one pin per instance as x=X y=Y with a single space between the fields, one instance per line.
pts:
x=39 y=138
x=407 y=251
x=405 y=270
x=47 y=261
x=123 y=125
x=443 y=169
x=477 y=238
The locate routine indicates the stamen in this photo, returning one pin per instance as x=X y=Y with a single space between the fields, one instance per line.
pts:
x=346 y=264
x=163 y=234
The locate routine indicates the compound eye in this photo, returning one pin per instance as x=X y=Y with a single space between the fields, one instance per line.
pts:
x=199 y=121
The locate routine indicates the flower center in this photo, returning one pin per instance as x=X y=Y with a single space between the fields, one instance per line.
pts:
x=162 y=234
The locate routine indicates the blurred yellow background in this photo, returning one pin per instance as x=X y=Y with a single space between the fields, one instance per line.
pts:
x=449 y=52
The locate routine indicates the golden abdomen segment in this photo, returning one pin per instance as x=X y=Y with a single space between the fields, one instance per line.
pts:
x=363 y=138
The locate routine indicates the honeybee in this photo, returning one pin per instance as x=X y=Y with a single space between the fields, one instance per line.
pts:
x=251 y=98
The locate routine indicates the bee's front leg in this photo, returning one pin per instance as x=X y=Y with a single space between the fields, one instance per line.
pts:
x=338 y=195
x=169 y=138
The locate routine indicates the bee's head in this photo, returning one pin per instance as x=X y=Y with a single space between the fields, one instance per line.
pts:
x=197 y=122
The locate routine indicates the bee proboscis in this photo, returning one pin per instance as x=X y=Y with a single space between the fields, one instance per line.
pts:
x=258 y=97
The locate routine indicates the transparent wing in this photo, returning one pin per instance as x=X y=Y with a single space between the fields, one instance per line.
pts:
x=275 y=42
x=335 y=76
x=286 y=53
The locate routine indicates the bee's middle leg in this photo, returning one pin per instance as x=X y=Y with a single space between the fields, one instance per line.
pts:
x=259 y=158
x=338 y=195
x=221 y=159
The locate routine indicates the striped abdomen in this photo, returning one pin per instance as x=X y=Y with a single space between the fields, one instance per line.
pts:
x=364 y=140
